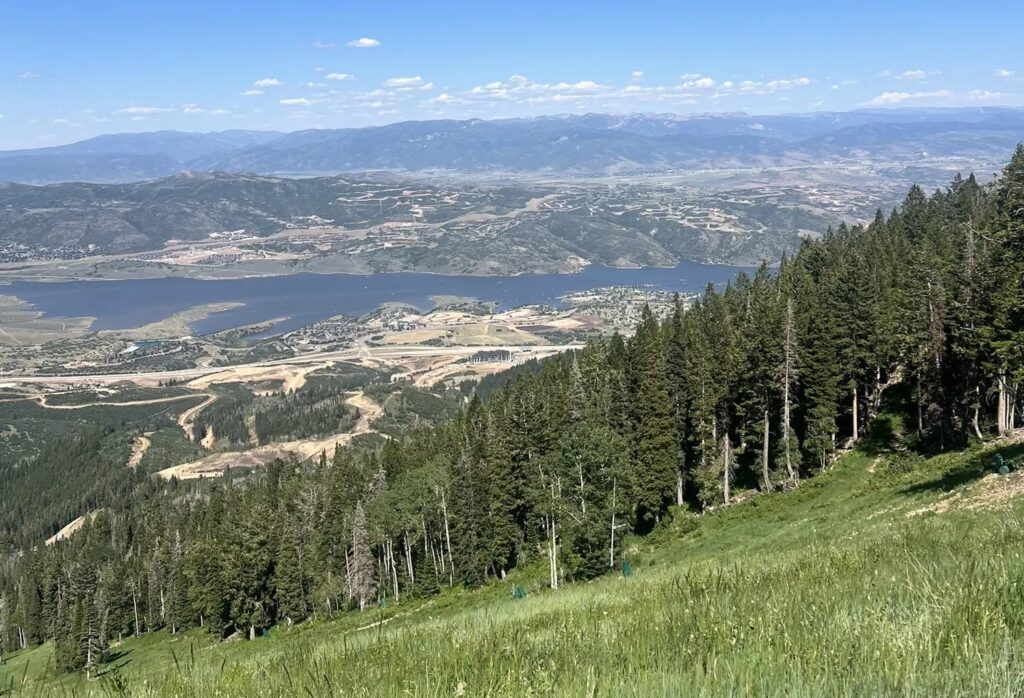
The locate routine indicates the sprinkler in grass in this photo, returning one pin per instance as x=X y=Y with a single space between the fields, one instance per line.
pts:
x=1001 y=466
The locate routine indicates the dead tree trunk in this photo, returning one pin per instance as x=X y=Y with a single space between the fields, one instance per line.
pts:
x=1002 y=408
x=726 y=467
x=448 y=541
x=611 y=555
x=788 y=377
x=855 y=421
x=765 y=456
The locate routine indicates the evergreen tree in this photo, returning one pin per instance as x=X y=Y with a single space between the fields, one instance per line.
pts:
x=362 y=578
x=653 y=425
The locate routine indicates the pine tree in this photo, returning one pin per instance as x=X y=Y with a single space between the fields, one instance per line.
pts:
x=362 y=578
x=761 y=355
x=291 y=583
x=676 y=368
x=1006 y=291
x=654 y=441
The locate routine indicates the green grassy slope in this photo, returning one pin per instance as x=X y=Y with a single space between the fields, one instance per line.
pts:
x=885 y=576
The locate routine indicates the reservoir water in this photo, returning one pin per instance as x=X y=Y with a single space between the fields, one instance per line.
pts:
x=306 y=298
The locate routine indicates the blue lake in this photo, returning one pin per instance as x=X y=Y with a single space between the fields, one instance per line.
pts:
x=306 y=298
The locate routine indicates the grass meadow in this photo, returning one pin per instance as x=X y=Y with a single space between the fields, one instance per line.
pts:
x=881 y=577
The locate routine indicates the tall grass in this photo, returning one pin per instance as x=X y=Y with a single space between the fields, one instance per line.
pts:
x=791 y=596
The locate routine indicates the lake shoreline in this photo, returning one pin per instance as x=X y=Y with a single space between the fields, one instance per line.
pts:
x=307 y=297
x=10 y=280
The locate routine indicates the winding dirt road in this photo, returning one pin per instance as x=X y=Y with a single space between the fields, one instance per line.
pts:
x=216 y=464
x=41 y=401
x=187 y=419
x=139 y=448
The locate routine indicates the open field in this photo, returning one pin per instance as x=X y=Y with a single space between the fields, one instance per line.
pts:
x=835 y=589
x=21 y=324
x=176 y=325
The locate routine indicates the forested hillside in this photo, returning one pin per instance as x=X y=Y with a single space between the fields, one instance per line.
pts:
x=917 y=317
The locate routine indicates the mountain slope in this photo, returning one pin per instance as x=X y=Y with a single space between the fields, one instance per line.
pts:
x=574 y=144
x=857 y=583
x=123 y=157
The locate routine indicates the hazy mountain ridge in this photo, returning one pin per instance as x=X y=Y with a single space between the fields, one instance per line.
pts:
x=589 y=144
x=123 y=157
x=364 y=225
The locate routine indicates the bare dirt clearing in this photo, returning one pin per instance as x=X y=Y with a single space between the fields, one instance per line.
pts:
x=217 y=464
x=187 y=419
x=991 y=491
x=70 y=528
x=41 y=400
x=139 y=448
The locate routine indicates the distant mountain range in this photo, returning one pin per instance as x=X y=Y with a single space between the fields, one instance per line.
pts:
x=590 y=144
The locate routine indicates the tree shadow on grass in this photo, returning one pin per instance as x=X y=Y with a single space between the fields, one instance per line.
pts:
x=976 y=467
x=115 y=660
x=884 y=436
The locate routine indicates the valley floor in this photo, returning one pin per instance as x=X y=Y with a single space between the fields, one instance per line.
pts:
x=884 y=576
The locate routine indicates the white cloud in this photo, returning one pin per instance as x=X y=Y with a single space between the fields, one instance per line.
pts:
x=340 y=76
x=1004 y=73
x=251 y=93
x=324 y=44
x=692 y=81
x=637 y=75
x=196 y=109
x=944 y=98
x=28 y=75
x=363 y=42
x=753 y=87
x=581 y=86
x=267 y=82
x=987 y=96
x=890 y=98
x=314 y=84
x=518 y=89
x=916 y=74
x=698 y=82
x=298 y=101
x=138 y=110
x=415 y=81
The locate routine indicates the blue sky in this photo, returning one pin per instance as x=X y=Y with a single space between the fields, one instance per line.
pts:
x=73 y=69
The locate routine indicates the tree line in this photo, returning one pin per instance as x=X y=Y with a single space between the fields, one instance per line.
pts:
x=918 y=315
